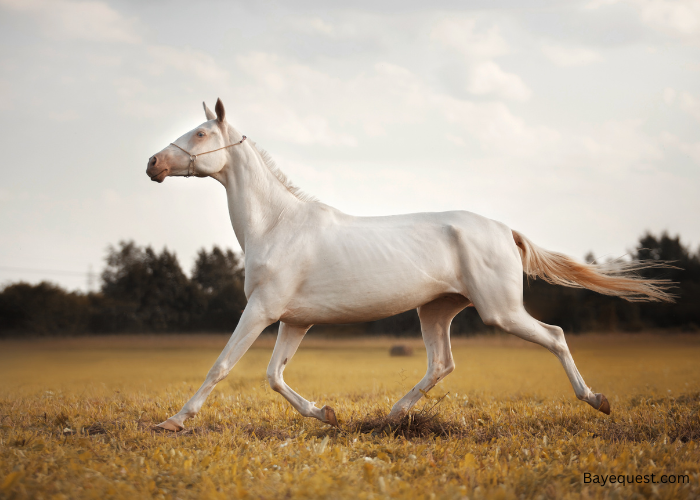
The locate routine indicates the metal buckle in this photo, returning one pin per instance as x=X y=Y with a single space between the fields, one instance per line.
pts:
x=193 y=158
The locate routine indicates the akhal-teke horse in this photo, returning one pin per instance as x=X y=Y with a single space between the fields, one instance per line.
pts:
x=307 y=263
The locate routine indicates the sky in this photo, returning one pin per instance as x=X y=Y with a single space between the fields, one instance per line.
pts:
x=575 y=122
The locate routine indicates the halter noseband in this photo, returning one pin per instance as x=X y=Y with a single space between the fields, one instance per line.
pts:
x=193 y=158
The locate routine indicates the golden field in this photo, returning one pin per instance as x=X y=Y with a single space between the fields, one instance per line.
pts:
x=76 y=419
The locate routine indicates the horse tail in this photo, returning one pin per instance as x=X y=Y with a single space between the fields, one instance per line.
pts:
x=620 y=279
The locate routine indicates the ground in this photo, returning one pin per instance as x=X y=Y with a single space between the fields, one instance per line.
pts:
x=77 y=417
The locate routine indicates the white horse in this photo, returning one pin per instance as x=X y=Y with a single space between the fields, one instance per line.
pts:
x=308 y=263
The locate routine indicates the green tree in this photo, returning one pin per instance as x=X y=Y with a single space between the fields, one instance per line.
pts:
x=220 y=277
x=148 y=291
x=685 y=312
x=43 y=309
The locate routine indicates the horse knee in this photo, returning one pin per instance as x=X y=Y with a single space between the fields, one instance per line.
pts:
x=448 y=368
x=439 y=371
x=218 y=372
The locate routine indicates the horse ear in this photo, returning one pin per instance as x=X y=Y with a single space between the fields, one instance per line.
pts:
x=208 y=112
x=220 y=111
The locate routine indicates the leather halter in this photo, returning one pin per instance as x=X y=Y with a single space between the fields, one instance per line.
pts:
x=193 y=158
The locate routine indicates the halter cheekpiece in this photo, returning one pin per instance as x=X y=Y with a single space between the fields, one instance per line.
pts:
x=193 y=158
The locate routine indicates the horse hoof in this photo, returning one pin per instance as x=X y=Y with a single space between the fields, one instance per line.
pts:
x=604 y=405
x=170 y=425
x=329 y=416
x=393 y=418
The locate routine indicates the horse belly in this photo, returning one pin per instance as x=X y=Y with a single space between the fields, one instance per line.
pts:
x=357 y=286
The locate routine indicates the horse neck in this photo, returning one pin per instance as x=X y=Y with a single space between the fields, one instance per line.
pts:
x=256 y=198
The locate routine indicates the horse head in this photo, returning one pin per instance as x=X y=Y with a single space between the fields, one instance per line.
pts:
x=182 y=157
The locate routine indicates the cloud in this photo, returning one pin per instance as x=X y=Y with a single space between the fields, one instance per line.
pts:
x=64 y=116
x=487 y=78
x=691 y=149
x=314 y=25
x=690 y=104
x=310 y=128
x=478 y=47
x=669 y=96
x=677 y=18
x=186 y=60
x=458 y=141
x=596 y=4
x=461 y=34
x=288 y=99
x=296 y=103
x=68 y=20
x=686 y=101
x=621 y=147
x=135 y=98
x=570 y=56
x=497 y=130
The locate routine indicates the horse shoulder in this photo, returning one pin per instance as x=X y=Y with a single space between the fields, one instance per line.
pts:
x=278 y=260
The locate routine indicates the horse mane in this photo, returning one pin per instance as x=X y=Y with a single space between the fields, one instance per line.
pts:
x=281 y=176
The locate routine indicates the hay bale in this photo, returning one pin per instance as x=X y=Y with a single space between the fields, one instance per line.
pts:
x=400 y=350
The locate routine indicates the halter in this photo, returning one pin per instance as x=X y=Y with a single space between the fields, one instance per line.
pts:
x=193 y=158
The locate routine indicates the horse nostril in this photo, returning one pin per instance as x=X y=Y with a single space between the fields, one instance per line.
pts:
x=152 y=162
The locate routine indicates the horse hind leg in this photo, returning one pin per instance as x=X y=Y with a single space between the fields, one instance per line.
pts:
x=560 y=349
x=288 y=339
x=435 y=319
x=497 y=294
x=519 y=323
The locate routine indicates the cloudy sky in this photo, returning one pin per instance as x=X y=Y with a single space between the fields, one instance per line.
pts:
x=577 y=123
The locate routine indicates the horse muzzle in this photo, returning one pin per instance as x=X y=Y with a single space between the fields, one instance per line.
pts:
x=156 y=170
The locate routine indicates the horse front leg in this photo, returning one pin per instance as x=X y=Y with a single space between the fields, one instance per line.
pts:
x=288 y=339
x=251 y=324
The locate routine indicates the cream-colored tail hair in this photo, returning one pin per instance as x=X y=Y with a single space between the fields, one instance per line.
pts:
x=616 y=278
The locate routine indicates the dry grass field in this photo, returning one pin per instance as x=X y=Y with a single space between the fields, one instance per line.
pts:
x=76 y=419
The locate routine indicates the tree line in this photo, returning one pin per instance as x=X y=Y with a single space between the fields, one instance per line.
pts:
x=145 y=291
x=141 y=291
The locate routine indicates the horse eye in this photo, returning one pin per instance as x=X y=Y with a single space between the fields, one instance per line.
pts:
x=201 y=134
